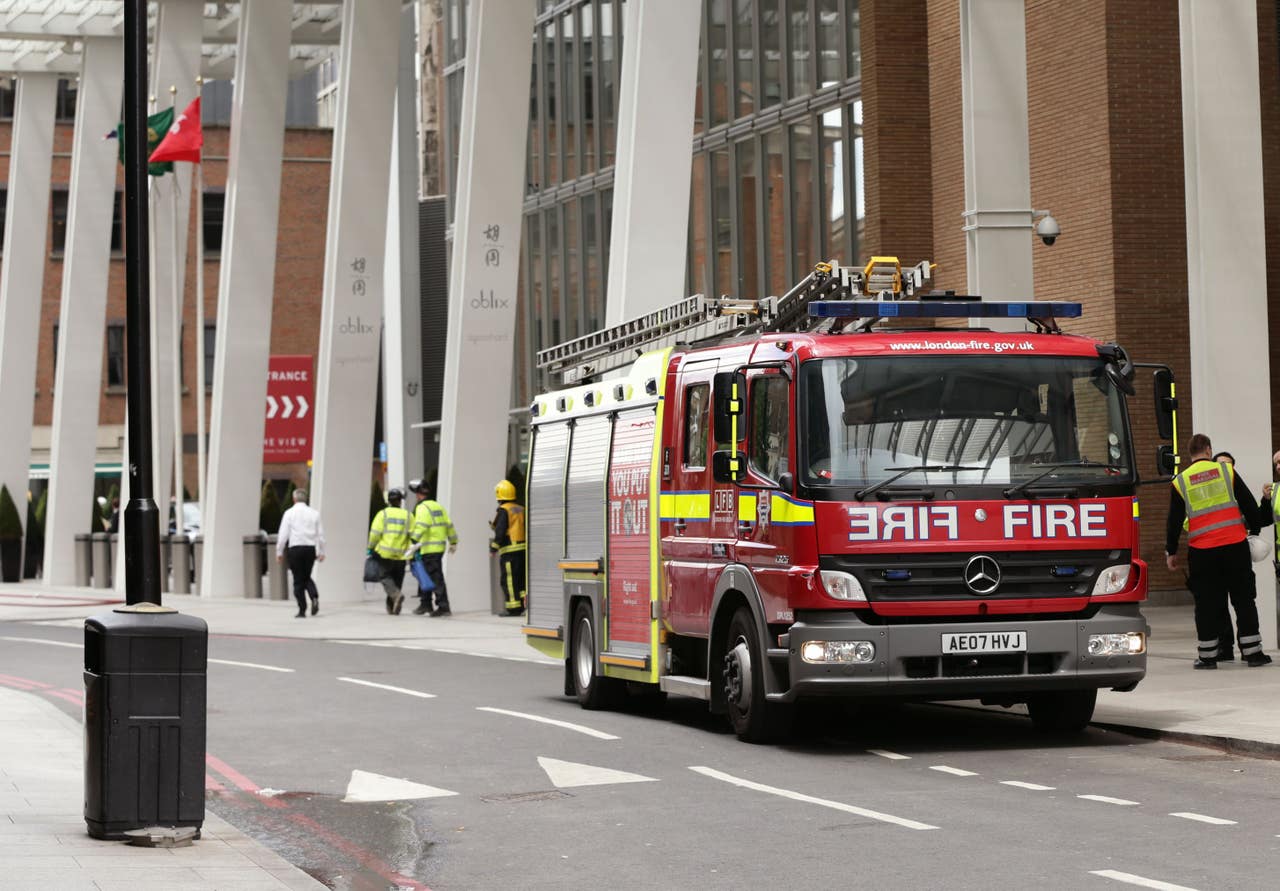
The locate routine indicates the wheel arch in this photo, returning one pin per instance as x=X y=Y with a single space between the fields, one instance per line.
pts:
x=736 y=587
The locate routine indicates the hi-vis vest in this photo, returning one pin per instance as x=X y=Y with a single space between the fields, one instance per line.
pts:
x=389 y=534
x=1213 y=517
x=515 y=527
x=432 y=528
x=1275 y=514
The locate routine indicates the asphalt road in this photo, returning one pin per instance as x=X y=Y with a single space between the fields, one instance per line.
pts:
x=505 y=783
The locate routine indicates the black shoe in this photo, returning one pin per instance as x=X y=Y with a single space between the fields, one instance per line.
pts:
x=437 y=613
x=315 y=605
x=1227 y=657
x=422 y=610
x=390 y=605
x=395 y=609
x=302 y=614
x=1257 y=660
x=1205 y=663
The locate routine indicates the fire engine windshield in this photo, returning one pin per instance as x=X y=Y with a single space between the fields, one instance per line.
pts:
x=971 y=420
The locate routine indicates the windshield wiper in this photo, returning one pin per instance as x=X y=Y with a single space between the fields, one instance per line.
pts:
x=1013 y=491
x=861 y=494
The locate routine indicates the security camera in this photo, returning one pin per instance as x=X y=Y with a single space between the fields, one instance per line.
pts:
x=1048 y=229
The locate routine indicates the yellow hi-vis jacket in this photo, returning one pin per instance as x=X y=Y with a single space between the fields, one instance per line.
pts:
x=389 y=533
x=432 y=529
x=509 y=536
x=1213 y=517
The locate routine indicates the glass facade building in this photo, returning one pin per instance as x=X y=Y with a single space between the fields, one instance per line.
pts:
x=777 y=180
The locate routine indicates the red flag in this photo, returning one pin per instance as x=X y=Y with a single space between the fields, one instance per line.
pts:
x=184 y=139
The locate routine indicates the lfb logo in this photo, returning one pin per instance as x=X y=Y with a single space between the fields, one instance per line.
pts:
x=487 y=300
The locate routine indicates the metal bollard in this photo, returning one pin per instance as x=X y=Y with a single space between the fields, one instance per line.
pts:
x=181 y=556
x=197 y=560
x=84 y=560
x=102 y=560
x=252 y=547
x=277 y=573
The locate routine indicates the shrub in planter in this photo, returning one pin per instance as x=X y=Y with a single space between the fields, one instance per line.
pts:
x=269 y=509
x=10 y=538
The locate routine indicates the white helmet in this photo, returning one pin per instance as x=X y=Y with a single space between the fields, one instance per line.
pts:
x=1259 y=548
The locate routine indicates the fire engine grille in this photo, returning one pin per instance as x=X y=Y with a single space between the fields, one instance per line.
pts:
x=906 y=577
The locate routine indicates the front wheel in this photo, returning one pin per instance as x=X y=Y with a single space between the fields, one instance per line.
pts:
x=753 y=717
x=593 y=691
x=1065 y=711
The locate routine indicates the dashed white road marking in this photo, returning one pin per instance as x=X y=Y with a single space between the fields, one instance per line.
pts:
x=1130 y=879
x=1201 y=818
x=892 y=756
x=567 y=774
x=1034 y=787
x=403 y=690
x=954 y=771
x=598 y=734
x=1106 y=799
x=365 y=786
x=41 y=640
x=809 y=799
x=252 y=665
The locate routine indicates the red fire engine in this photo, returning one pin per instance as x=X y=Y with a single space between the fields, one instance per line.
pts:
x=757 y=502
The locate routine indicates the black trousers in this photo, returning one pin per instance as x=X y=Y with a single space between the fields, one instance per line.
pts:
x=392 y=574
x=301 y=559
x=1216 y=575
x=511 y=575
x=434 y=565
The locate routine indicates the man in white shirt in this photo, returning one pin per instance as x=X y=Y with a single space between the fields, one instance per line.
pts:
x=301 y=540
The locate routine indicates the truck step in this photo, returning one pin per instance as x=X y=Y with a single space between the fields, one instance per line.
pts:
x=698 y=688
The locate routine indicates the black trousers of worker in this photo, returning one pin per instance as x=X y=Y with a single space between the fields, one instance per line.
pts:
x=511 y=575
x=434 y=565
x=301 y=559
x=392 y=574
x=1216 y=574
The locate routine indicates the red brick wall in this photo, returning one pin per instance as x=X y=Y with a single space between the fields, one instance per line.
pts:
x=946 y=125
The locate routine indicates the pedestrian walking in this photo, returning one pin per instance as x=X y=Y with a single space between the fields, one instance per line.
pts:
x=509 y=543
x=389 y=543
x=300 y=543
x=1219 y=511
x=432 y=535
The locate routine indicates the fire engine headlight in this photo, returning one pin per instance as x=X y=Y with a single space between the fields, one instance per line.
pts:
x=841 y=652
x=842 y=586
x=1112 y=580
x=1131 y=643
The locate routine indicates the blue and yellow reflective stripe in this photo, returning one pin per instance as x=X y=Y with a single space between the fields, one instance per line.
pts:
x=787 y=511
x=1135 y=508
x=684 y=506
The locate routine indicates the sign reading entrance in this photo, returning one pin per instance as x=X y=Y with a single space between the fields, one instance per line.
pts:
x=290 y=392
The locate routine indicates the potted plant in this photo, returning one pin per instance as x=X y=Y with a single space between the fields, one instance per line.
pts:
x=10 y=538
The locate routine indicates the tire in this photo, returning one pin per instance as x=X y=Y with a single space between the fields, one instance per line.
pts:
x=1068 y=711
x=592 y=690
x=753 y=718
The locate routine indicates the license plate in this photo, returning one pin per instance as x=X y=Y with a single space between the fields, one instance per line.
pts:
x=984 y=642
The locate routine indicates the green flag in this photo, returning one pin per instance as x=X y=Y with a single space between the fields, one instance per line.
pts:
x=158 y=125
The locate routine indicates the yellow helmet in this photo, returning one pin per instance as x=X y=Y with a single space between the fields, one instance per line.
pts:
x=505 y=491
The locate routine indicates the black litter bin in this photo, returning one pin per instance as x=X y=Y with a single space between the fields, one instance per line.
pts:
x=144 y=677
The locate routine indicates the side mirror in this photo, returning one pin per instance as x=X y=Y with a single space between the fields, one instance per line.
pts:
x=1166 y=461
x=728 y=406
x=787 y=483
x=1117 y=376
x=728 y=465
x=1166 y=404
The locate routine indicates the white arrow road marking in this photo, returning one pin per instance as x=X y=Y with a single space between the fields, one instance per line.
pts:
x=302 y=407
x=1201 y=818
x=406 y=692
x=288 y=406
x=1105 y=799
x=566 y=774
x=365 y=786
x=541 y=720
x=809 y=799
x=892 y=756
x=251 y=665
x=272 y=407
x=954 y=771
x=1130 y=879
x=1034 y=787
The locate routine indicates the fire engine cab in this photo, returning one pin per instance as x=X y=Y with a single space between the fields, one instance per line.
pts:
x=755 y=502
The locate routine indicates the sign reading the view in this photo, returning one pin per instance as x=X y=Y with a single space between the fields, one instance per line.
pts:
x=290 y=393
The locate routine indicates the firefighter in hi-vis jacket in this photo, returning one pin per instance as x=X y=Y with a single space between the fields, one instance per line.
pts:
x=508 y=541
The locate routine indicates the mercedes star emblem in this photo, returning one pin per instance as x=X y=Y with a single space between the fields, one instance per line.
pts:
x=982 y=575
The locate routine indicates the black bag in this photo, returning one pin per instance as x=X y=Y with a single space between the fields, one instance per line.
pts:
x=373 y=571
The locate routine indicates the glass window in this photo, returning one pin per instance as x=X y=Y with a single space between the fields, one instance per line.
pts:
x=65 y=109
x=830 y=63
x=718 y=60
x=214 y=208
x=722 y=185
x=58 y=220
x=800 y=61
x=774 y=219
x=804 y=245
x=859 y=181
x=696 y=399
x=769 y=449
x=606 y=224
x=770 y=56
x=587 y=118
x=455 y=26
x=569 y=70
x=533 y=154
x=833 y=164
x=453 y=91
x=115 y=356
x=744 y=57
x=210 y=343
x=555 y=304
x=699 y=228
x=573 y=303
x=537 y=296
x=549 y=104
x=593 y=286
x=748 y=224
x=853 y=38
x=608 y=81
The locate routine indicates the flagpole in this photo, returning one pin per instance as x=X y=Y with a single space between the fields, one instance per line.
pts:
x=153 y=334
x=200 y=369
x=179 y=514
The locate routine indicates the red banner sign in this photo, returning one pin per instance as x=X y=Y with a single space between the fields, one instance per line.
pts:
x=290 y=394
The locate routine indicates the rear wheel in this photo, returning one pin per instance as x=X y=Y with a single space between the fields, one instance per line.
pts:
x=1065 y=711
x=753 y=717
x=592 y=690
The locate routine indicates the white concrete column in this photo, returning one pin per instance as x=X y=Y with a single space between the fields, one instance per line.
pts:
x=351 y=318
x=177 y=63
x=246 y=284
x=402 y=334
x=26 y=233
x=482 y=284
x=649 y=238
x=1226 y=246
x=997 y=161
x=77 y=386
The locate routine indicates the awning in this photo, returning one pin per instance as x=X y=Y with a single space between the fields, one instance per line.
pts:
x=102 y=468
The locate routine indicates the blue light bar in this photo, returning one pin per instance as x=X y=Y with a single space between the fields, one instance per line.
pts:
x=928 y=309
